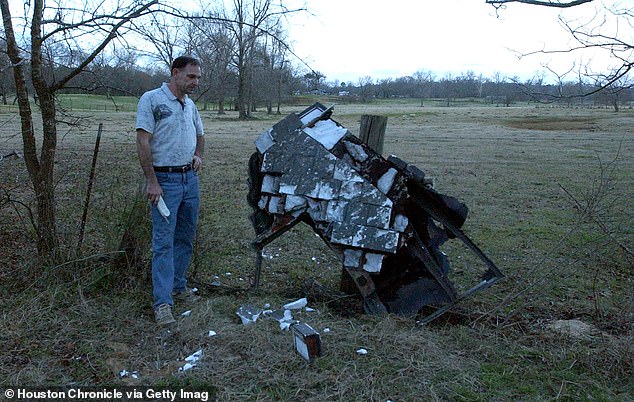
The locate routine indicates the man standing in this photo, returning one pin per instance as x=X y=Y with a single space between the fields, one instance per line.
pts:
x=170 y=144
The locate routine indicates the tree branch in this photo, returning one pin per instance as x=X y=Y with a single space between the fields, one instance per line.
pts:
x=545 y=3
x=111 y=35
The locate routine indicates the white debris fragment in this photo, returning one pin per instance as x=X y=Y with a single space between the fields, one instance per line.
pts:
x=297 y=304
x=211 y=333
x=373 y=262
x=162 y=208
x=193 y=358
x=187 y=366
x=270 y=184
x=186 y=313
x=194 y=290
x=310 y=116
x=264 y=141
x=326 y=329
x=352 y=257
x=356 y=151
x=284 y=317
x=386 y=181
x=126 y=373
x=400 y=223
x=310 y=309
x=267 y=305
x=326 y=132
x=248 y=314
x=362 y=351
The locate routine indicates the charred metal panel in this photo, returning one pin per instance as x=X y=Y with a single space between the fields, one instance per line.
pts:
x=380 y=215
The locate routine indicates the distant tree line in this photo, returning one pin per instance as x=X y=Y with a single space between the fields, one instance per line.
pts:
x=270 y=86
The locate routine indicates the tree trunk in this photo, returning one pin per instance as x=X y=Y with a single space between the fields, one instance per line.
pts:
x=40 y=171
x=221 y=105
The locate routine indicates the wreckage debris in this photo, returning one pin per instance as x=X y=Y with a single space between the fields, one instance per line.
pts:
x=381 y=216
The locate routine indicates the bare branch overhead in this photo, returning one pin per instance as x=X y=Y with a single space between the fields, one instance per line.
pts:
x=546 y=3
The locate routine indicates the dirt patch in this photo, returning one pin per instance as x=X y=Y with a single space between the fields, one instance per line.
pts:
x=553 y=123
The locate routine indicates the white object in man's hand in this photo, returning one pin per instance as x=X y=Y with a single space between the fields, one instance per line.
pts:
x=162 y=208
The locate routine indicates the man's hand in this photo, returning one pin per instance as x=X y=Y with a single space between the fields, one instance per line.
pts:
x=153 y=188
x=197 y=163
x=154 y=191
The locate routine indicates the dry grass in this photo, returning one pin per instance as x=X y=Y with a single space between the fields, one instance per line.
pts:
x=82 y=323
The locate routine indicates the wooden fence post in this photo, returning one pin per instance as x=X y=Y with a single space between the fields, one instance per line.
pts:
x=372 y=131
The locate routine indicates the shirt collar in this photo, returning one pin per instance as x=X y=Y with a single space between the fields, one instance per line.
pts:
x=170 y=95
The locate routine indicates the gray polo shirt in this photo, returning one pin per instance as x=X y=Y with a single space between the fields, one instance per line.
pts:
x=173 y=125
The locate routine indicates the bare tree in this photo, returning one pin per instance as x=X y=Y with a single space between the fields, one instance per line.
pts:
x=603 y=32
x=247 y=21
x=164 y=32
x=423 y=80
x=365 y=88
x=48 y=28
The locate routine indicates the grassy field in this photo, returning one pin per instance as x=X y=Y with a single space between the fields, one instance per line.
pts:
x=550 y=195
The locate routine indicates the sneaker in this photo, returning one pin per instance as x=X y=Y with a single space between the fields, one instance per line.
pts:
x=163 y=314
x=186 y=296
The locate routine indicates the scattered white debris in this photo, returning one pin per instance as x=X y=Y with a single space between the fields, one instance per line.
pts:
x=326 y=329
x=194 y=290
x=193 y=358
x=126 y=373
x=186 y=313
x=248 y=314
x=211 y=333
x=297 y=304
x=310 y=309
x=187 y=366
x=267 y=305
x=228 y=273
x=362 y=351
x=287 y=320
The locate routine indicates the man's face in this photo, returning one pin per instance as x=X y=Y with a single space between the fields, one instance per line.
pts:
x=186 y=79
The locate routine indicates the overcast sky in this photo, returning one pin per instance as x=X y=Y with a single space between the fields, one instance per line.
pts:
x=349 y=39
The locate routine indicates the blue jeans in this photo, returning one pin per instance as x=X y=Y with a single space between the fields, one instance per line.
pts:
x=173 y=238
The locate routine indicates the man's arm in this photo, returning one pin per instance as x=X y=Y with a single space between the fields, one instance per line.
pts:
x=154 y=190
x=198 y=154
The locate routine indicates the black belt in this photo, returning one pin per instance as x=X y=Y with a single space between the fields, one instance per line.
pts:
x=173 y=169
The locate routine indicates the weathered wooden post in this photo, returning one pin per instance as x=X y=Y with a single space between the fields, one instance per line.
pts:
x=372 y=131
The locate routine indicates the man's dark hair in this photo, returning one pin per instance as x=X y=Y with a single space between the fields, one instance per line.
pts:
x=182 y=61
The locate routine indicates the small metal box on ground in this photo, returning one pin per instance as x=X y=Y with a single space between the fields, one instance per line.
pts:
x=307 y=341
